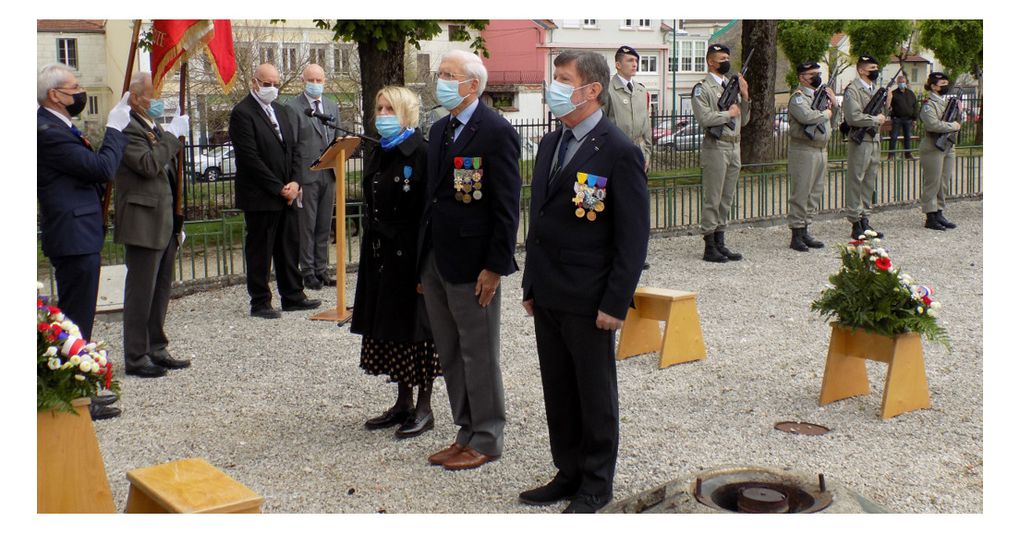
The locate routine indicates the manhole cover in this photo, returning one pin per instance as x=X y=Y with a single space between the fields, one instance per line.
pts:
x=807 y=429
x=760 y=492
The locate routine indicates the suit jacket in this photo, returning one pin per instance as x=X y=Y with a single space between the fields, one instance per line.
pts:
x=574 y=264
x=70 y=181
x=143 y=193
x=311 y=136
x=264 y=163
x=482 y=234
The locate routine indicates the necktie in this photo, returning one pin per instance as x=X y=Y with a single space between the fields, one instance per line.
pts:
x=318 y=109
x=561 y=154
x=448 y=134
x=630 y=87
x=276 y=127
x=79 y=135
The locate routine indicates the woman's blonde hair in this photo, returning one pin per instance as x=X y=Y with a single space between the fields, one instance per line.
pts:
x=404 y=102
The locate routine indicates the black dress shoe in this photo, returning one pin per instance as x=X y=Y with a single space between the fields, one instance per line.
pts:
x=307 y=304
x=104 y=400
x=587 y=504
x=148 y=370
x=326 y=279
x=266 y=313
x=550 y=493
x=311 y=282
x=103 y=412
x=169 y=362
x=415 y=425
x=391 y=417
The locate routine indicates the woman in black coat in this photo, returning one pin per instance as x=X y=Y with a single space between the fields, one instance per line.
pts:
x=389 y=312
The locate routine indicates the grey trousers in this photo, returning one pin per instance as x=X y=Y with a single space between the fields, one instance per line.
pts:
x=806 y=167
x=318 y=199
x=467 y=340
x=861 y=178
x=146 y=296
x=937 y=170
x=720 y=169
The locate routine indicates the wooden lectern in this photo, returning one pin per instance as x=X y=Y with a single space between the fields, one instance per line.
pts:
x=334 y=157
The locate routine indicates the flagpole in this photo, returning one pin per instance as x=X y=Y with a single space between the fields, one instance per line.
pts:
x=178 y=208
x=108 y=193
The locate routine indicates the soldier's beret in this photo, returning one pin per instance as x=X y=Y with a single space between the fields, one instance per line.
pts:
x=712 y=49
x=627 y=50
x=804 y=67
x=936 y=76
x=867 y=59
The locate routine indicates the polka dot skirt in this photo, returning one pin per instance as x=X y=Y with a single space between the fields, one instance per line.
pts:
x=407 y=363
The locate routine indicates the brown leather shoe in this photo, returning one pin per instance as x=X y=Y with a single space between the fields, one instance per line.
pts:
x=468 y=459
x=445 y=454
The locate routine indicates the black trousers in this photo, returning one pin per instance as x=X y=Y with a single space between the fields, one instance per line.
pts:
x=902 y=127
x=78 y=288
x=272 y=240
x=146 y=297
x=581 y=401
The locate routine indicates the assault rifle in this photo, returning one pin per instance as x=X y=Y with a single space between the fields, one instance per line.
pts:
x=729 y=97
x=951 y=114
x=819 y=103
x=875 y=106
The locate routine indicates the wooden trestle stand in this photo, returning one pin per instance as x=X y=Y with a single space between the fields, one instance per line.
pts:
x=335 y=157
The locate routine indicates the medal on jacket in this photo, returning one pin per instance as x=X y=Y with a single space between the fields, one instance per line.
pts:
x=589 y=195
x=407 y=178
x=467 y=179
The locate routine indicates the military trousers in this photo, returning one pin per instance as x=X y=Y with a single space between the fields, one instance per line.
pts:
x=806 y=167
x=862 y=176
x=936 y=172
x=720 y=170
x=314 y=219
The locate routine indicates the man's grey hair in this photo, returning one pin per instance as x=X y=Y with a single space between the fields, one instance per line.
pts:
x=591 y=66
x=473 y=67
x=51 y=77
x=138 y=82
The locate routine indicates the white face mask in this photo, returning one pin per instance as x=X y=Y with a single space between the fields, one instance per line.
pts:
x=268 y=94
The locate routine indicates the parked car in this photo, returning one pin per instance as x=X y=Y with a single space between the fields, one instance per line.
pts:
x=781 y=124
x=215 y=163
x=666 y=128
x=689 y=137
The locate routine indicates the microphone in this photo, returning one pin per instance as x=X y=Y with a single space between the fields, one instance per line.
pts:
x=322 y=117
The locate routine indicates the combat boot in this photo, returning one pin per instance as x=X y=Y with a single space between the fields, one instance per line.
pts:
x=720 y=244
x=809 y=240
x=932 y=221
x=797 y=240
x=944 y=221
x=857 y=231
x=711 y=253
x=867 y=226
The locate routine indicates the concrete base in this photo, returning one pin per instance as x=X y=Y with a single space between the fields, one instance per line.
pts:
x=111 y=289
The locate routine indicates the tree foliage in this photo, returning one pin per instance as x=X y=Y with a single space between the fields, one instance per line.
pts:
x=805 y=40
x=880 y=39
x=955 y=43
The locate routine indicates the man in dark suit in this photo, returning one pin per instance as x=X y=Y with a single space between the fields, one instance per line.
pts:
x=144 y=222
x=266 y=190
x=467 y=241
x=70 y=181
x=585 y=249
x=318 y=188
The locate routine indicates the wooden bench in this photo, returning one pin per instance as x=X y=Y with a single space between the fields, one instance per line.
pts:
x=682 y=340
x=190 y=486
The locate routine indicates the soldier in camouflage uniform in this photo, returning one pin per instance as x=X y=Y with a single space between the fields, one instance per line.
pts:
x=808 y=159
x=862 y=159
x=720 y=158
x=936 y=165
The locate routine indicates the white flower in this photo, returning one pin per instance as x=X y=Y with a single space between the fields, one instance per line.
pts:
x=75 y=360
x=39 y=286
x=51 y=352
x=66 y=325
x=870 y=233
x=935 y=305
x=101 y=360
x=851 y=249
x=91 y=347
x=862 y=237
x=884 y=255
x=67 y=365
x=79 y=378
x=85 y=366
x=932 y=312
x=95 y=368
x=102 y=352
x=58 y=317
x=872 y=258
x=53 y=364
x=920 y=310
x=876 y=241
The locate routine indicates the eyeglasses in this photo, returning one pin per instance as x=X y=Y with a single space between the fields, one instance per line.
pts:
x=449 y=76
x=76 y=87
x=267 y=84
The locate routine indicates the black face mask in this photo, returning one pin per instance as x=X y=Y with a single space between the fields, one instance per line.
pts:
x=78 y=105
x=944 y=90
x=873 y=75
x=816 y=81
x=724 y=67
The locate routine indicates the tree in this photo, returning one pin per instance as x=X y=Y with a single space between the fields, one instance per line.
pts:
x=757 y=139
x=957 y=46
x=381 y=45
x=806 y=40
x=880 y=39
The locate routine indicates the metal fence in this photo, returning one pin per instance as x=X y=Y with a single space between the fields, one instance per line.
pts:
x=213 y=249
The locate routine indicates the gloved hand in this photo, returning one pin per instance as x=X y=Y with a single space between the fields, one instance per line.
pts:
x=120 y=115
x=178 y=127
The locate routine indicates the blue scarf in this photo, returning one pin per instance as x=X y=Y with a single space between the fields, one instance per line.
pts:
x=389 y=143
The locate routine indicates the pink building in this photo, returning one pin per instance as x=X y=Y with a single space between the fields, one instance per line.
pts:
x=517 y=66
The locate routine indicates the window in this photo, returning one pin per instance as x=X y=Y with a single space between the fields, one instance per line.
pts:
x=342 y=60
x=503 y=100
x=454 y=30
x=644 y=24
x=590 y=23
x=317 y=55
x=648 y=64
x=424 y=63
x=673 y=63
x=692 y=56
x=627 y=23
x=655 y=102
x=93 y=105
x=267 y=54
x=913 y=75
x=67 y=52
x=290 y=59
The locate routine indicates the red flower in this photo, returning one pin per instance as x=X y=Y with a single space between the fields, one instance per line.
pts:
x=926 y=300
x=857 y=242
x=55 y=330
x=53 y=310
x=38 y=303
x=43 y=327
x=109 y=375
x=883 y=263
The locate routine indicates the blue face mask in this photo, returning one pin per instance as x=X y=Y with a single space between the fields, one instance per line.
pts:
x=448 y=93
x=388 y=125
x=314 y=90
x=903 y=86
x=558 y=96
x=155 y=110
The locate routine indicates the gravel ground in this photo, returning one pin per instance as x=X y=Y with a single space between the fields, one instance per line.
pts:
x=279 y=405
